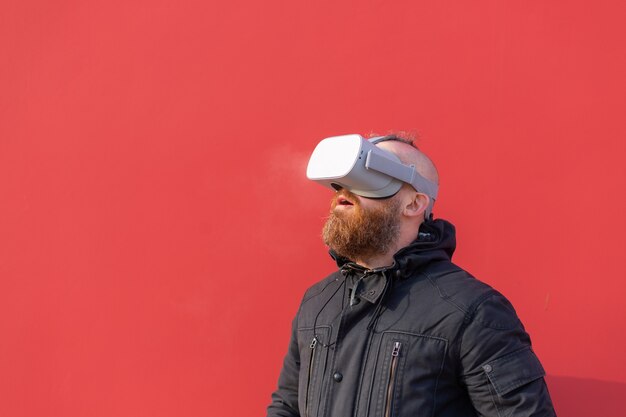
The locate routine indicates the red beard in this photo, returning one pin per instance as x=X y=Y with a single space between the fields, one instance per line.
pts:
x=357 y=233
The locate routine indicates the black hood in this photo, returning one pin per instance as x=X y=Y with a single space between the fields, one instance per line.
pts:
x=435 y=242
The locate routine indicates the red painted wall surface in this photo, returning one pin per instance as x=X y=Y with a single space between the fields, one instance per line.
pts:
x=157 y=231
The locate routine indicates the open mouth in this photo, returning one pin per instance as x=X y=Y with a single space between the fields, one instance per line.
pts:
x=342 y=201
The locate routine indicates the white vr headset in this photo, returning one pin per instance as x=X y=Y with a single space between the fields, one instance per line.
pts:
x=356 y=164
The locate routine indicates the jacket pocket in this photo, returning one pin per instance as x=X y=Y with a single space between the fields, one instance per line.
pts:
x=313 y=356
x=513 y=371
x=391 y=383
x=406 y=374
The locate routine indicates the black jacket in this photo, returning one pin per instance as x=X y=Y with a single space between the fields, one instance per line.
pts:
x=420 y=338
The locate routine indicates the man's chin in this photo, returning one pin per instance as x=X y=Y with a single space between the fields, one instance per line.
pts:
x=344 y=210
x=354 y=233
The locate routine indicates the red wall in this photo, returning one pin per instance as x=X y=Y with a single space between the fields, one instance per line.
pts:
x=156 y=228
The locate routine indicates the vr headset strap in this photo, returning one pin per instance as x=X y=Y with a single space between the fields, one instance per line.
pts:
x=402 y=172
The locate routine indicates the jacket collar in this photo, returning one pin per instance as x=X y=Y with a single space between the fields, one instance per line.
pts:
x=366 y=284
x=436 y=241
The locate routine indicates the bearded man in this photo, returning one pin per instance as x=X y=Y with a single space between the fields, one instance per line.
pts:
x=399 y=330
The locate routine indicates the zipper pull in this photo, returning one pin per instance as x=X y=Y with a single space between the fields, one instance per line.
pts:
x=396 y=349
x=313 y=343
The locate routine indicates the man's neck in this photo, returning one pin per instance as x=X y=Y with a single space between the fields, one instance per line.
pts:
x=375 y=262
x=386 y=259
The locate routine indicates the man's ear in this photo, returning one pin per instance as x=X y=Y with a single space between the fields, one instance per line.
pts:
x=417 y=205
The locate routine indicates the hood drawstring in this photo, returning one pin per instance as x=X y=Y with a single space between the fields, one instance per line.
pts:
x=380 y=305
x=353 y=300
x=378 y=310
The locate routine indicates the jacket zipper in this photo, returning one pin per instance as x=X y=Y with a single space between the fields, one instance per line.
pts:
x=395 y=353
x=308 y=384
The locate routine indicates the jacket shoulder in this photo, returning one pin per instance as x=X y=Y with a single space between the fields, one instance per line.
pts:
x=481 y=305
x=319 y=287
x=459 y=288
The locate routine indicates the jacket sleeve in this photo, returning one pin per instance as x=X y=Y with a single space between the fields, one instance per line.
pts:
x=285 y=398
x=502 y=374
